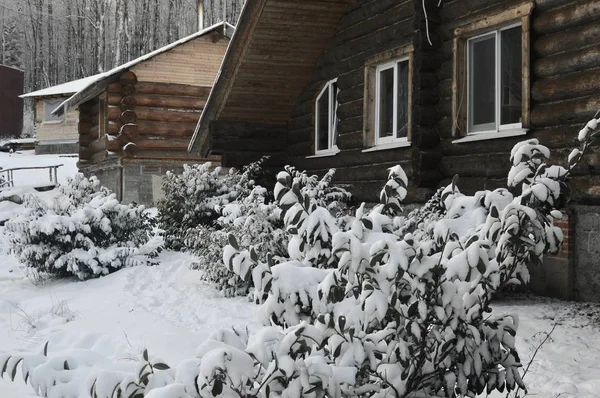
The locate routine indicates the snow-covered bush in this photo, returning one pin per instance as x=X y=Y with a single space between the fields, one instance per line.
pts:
x=193 y=197
x=254 y=222
x=85 y=232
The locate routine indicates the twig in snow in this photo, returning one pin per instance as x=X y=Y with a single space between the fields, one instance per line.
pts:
x=539 y=346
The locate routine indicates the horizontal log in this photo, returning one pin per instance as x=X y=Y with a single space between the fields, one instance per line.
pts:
x=94 y=131
x=300 y=149
x=128 y=89
x=84 y=128
x=173 y=89
x=171 y=144
x=238 y=160
x=563 y=18
x=565 y=112
x=128 y=117
x=98 y=145
x=114 y=88
x=566 y=40
x=569 y=62
x=164 y=115
x=351 y=141
x=86 y=117
x=84 y=140
x=113 y=127
x=115 y=145
x=170 y=101
x=470 y=185
x=113 y=112
x=164 y=129
x=488 y=166
x=114 y=98
x=266 y=144
x=130 y=149
x=129 y=132
x=128 y=103
x=355 y=157
x=566 y=86
x=128 y=78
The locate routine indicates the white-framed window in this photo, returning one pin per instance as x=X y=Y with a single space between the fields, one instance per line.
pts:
x=495 y=81
x=326 y=120
x=51 y=104
x=392 y=102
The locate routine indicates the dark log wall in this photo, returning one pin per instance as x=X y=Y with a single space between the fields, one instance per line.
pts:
x=369 y=28
x=565 y=79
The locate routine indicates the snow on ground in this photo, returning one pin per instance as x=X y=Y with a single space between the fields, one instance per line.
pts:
x=166 y=309
x=38 y=177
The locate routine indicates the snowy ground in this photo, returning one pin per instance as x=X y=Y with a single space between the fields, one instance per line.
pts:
x=38 y=177
x=169 y=311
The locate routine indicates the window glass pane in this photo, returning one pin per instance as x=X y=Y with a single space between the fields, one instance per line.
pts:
x=334 y=106
x=402 y=129
x=323 y=121
x=482 y=81
x=510 y=69
x=386 y=103
x=49 y=106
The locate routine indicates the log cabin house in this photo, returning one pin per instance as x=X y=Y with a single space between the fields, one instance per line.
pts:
x=441 y=88
x=136 y=121
x=11 y=106
x=56 y=134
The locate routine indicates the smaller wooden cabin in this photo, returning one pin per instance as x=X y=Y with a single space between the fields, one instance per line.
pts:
x=137 y=120
x=11 y=106
x=57 y=134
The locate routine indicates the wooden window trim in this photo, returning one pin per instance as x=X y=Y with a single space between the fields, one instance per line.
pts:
x=102 y=115
x=405 y=53
x=332 y=125
x=517 y=15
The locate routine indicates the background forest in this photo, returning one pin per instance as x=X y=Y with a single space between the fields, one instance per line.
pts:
x=55 y=41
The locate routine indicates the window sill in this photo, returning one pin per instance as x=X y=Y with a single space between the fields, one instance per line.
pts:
x=52 y=122
x=324 y=154
x=490 y=135
x=391 y=145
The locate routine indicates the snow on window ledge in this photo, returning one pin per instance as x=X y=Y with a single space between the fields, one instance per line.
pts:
x=391 y=145
x=332 y=152
x=52 y=122
x=490 y=135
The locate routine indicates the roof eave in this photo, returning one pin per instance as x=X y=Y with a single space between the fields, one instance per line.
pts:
x=247 y=22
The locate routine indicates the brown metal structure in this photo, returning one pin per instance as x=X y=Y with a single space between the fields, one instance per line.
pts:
x=11 y=106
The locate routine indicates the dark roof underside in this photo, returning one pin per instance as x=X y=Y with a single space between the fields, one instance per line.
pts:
x=278 y=45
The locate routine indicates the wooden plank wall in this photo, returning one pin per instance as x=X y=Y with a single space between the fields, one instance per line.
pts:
x=368 y=28
x=195 y=63
x=64 y=131
x=565 y=79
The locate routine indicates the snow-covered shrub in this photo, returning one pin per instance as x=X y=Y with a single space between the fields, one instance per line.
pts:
x=85 y=232
x=193 y=197
x=255 y=222
x=270 y=228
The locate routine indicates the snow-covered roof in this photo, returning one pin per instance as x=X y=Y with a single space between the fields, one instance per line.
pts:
x=65 y=88
x=80 y=95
